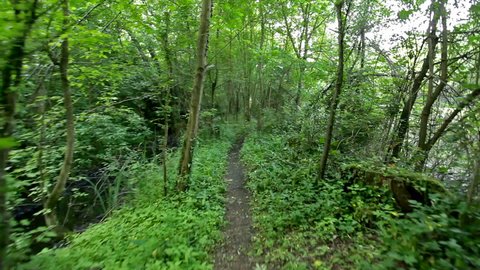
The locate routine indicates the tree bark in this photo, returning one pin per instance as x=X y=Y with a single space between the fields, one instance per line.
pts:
x=443 y=128
x=11 y=79
x=477 y=75
x=302 y=48
x=403 y=125
x=196 y=99
x=51 y=218
x=337 y=91
x=473 y=187
x=261 y=65
x=168 y=60
x=433 y=94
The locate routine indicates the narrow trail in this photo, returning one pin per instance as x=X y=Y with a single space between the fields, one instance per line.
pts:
x=233 y=254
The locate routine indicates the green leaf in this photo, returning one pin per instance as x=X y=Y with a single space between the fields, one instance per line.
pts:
x=404 y=14
x=6 y=143
x=470 y=86
x=24 y=222
x=475 y=8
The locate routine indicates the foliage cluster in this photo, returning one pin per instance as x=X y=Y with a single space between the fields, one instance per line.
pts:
x=110 y=152
x=442 y=236
x=298 y=223
x=102 y=139
x=153 y=231
x=344 y=225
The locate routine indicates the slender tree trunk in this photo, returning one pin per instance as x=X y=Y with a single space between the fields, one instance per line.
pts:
x=477 y=75
x=165 y=159
x=11 y=79
x=51 y=218
x=403 y=125
x=230 y=85
x=43 y=96
x=168 y=60
x=424 y=145
x=473 y=187
x=362 y=47
x=237 y=103
x=213 y=92
x=467 y=100
x=260 y=69
x=196 y=100
x=248 y=96
x=137 y=45
x=212 y=100
x=214 y=88
x=301 y=52
x=337 y=91
x=433 y=95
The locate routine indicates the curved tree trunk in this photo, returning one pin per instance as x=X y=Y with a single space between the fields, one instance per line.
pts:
x=433 y=95
x=337 y=91
x=49 y=206
x=403 y=125
x=196 y=99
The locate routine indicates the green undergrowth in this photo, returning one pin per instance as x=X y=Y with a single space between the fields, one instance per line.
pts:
x=152 y=231
x=442 y=236
x=342 y=225
x=299 y=225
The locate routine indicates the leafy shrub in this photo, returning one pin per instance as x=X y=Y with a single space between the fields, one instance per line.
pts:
x=104 y=136
x=105 y=143
x=153 y=231
x=443 y=236
x=101 y=139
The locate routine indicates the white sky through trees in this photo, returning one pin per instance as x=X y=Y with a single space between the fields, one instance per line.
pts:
x=391 y=33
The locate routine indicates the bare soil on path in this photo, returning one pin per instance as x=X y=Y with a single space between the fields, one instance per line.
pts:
x=233 y=254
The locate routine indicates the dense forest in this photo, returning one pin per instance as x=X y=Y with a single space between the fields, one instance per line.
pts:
x=254 y=134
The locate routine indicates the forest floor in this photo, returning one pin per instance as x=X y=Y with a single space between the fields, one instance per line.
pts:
x=233 y=254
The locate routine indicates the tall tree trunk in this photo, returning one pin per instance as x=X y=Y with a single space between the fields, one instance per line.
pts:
x=196 y=100
x=168 y=60
x=261 y=85
x=213 y=88
x=403 y=125
x=42 y=99
x=473 y=187
x=362 y=47
x=337 y=91
x=433 y=95
x=167 y=112
x=477 y=74
x=51 y=218
x=11 y=79
x=425 y=145
x=301 y=49
x=248 y=92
